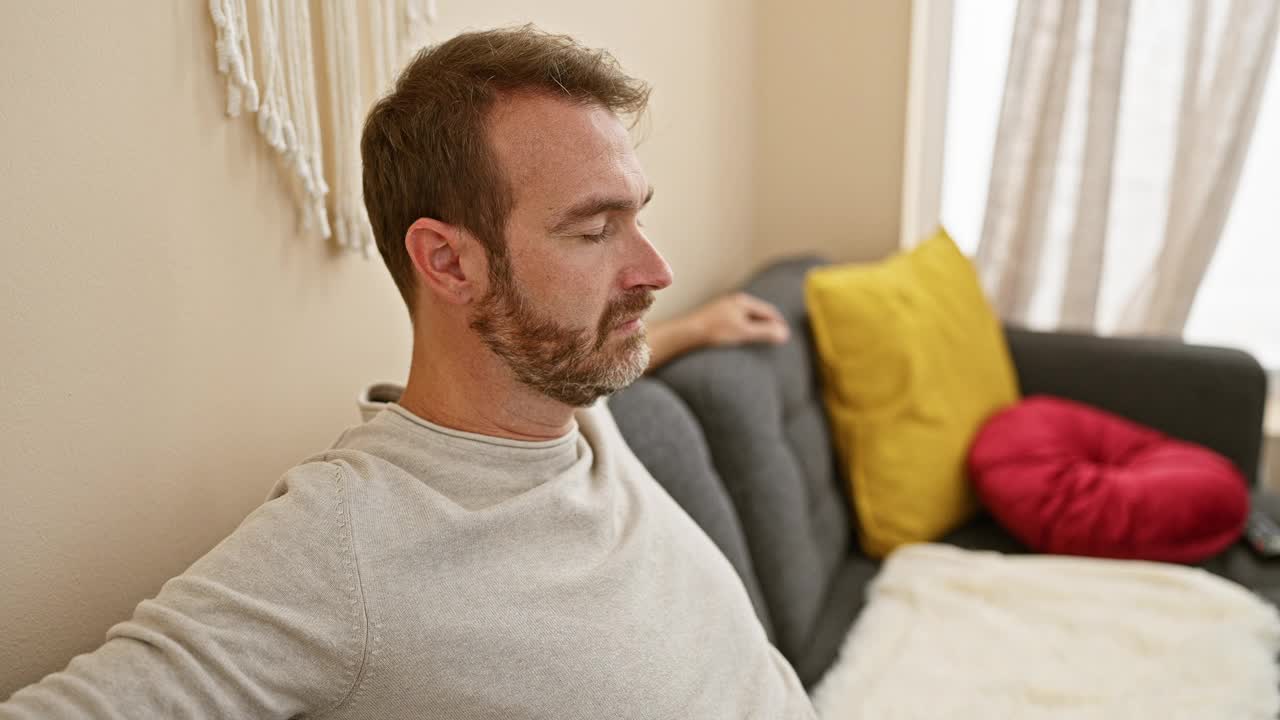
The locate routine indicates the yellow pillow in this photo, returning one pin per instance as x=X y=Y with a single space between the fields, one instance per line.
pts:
x=913 y=361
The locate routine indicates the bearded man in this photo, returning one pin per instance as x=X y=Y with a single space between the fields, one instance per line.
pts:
x=488 y=547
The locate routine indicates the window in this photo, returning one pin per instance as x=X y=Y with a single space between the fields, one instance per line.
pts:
x=1238 y=303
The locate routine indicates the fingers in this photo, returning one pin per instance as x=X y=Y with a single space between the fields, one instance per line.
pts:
x=764 y=321
x=767 y=330
x=741 y=318
x=759 y=307
x=760 y=333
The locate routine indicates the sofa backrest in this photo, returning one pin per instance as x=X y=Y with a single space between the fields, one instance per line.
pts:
x=761 y=412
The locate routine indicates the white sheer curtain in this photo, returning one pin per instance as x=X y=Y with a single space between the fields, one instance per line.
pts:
x=1092 y=85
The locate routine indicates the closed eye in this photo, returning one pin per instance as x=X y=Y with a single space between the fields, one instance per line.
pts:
x=601 y=236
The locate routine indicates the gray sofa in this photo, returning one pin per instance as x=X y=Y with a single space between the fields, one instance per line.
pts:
x=739 y=438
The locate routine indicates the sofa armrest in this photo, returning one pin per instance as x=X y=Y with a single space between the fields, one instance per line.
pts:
x=1212 y=396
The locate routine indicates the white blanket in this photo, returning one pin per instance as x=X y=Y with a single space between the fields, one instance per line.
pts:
x=949 y=633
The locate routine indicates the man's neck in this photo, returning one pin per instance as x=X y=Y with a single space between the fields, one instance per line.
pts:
x=475 y=392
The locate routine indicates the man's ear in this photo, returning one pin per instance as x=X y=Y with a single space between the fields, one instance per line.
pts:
x=446 y=259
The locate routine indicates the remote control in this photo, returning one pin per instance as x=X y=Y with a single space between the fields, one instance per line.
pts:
x=1263 y=533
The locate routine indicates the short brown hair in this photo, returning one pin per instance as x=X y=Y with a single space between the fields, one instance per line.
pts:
x=425 y=149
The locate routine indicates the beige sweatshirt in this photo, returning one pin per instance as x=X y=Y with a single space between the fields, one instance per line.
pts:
x=414 y=571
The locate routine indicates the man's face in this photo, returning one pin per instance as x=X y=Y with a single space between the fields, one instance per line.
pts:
x=566 y=317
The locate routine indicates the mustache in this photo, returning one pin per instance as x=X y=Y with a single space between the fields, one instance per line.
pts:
x=625 y=308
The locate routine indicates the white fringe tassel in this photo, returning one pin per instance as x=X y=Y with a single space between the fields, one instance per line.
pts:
x=420 y=14
x=342 y=53
x=235 y=55
x=386 y=42
x=307 y=159
x=401 y=28
x=288 y=106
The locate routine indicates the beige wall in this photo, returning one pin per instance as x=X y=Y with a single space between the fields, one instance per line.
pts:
x=171 y=344
x=831 y=102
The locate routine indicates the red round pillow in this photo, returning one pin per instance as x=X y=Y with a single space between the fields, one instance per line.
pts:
x=1067 y=478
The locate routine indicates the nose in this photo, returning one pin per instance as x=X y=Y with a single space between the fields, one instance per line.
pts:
x=647 y=268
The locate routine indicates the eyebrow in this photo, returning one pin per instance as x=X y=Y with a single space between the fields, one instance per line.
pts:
x=593 y=206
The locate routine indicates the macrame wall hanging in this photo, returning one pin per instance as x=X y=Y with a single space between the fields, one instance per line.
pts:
x=284 y=93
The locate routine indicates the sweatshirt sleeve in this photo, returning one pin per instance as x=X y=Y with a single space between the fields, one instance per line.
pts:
x=269 y=624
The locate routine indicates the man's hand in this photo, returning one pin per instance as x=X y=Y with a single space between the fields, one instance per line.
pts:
x=729 y=320
x=740 y=318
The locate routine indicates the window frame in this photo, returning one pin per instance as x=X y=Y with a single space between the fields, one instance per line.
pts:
x=929 y=77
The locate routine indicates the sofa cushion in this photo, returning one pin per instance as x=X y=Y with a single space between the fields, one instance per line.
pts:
x=1068 y=478
x=668 y=441
x=841 y=604
x=913 y=361
x=760 y=410
x=1242 y=564
x=1208 y=395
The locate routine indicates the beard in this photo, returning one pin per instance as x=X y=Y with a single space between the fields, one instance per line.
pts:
x=570 y=365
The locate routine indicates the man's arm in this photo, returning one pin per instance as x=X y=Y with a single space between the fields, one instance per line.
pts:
x=730 y=320
x=268 y=624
